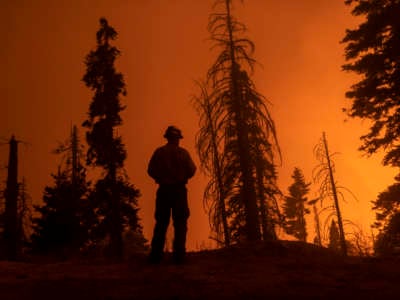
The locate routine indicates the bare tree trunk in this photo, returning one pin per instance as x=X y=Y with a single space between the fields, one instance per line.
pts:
x=335 y=198
x=11 y=209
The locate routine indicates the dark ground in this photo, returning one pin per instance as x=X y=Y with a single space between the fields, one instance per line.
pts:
x=273 y=271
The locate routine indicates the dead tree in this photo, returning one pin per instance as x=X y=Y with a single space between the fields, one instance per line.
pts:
x=11 y=207
x=328 y=187
x=24 y=216
x=211 y=159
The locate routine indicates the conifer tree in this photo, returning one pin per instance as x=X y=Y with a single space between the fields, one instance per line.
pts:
x=373 y=51
x=56 y=230
x=387 y=213
x=62 y=224
x=295 y=208
x=334 y=237
x=387 y=205
x=245 y=132
x=113 y=195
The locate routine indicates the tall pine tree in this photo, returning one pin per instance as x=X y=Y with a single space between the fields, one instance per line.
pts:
x=244 y=132
x=295 y=208
x=114 y=197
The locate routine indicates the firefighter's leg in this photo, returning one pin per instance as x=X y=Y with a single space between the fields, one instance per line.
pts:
x=162 y=216
x=180 y=214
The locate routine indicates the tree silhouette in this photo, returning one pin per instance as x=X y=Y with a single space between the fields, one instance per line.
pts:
x=317 y=223
x=388 y=240
x=24 y=213
x=243 y=133
x=387 y=207
x=212 y=163
x=56 y=230
x=324 y=174
x=15 y=209
x=114 y=197
x=62 y=225
x=295 y=206
x=10 y=234
x=334 y=238
x=373 y=51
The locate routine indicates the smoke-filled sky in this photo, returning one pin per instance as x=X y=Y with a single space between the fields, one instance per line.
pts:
x=165 y=48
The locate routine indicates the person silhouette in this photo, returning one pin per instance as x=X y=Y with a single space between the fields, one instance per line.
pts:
x=171 y=167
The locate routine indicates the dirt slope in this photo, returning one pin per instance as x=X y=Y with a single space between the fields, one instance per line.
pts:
x=273 y=271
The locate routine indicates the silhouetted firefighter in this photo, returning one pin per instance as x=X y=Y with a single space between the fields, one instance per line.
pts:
x=171 y=166
x=11 y=196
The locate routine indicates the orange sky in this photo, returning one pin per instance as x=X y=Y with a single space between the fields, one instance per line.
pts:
x=164 y=49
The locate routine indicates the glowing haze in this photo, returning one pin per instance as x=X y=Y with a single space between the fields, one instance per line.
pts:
x=165 y=47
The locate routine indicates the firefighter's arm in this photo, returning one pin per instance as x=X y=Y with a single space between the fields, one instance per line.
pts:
x=191 y=167
x=152 y=168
